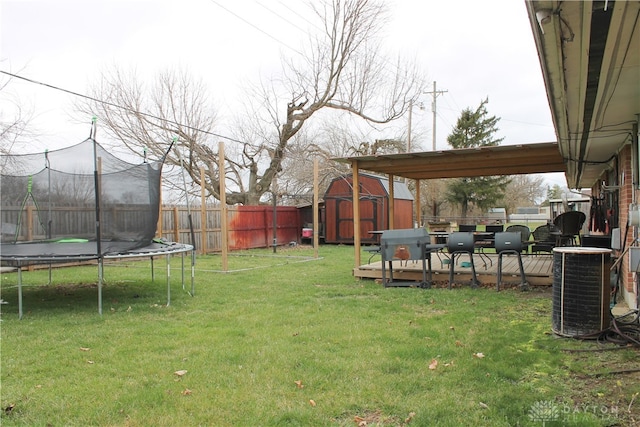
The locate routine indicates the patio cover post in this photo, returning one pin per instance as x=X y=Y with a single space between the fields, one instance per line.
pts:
x=356 y=211
x=417 y=203
x=392 y=204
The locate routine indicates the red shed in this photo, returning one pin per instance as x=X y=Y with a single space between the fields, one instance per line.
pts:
x=374 y=208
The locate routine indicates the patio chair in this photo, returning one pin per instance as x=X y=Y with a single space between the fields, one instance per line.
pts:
x=486 y=240
x=509 y=243
x=525 y=234
x=373 y=251
x=461 y=243
x=570 y=224
x=543 y=239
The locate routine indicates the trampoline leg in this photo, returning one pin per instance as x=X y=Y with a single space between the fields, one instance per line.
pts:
x=100 y=271
x=182 y=260
x=168 y=280
x=20 y=293
x=153 y=276
x=193 y=272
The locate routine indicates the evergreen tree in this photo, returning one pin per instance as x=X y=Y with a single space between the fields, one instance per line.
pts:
x=476 y=129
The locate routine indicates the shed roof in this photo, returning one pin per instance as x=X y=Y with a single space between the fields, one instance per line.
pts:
x=400 y=189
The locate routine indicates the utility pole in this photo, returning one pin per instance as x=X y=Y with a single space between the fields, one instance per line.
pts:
x=409 y=131
x=435 y=94
x=409 y=126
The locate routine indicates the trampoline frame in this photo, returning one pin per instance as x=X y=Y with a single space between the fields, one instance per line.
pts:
x=154 y=250
x=30 y=253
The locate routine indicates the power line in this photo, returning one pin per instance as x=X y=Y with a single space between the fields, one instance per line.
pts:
x=111 y=104
x=299 y=15
x=279 y=16
x=266 y=33
x=386 y=62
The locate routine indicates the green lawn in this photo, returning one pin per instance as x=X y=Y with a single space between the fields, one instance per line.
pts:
x=295 y=343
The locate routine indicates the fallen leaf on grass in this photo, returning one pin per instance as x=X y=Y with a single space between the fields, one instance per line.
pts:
x=483 y=405
x=186 y=392
x=299 y=383
x=181 y=372
x=312 y=402
x=409 y=418
x=90 y=362
x=433 y=365
x=478 y=355
x=85 y=349
x=9 y=408
x=459 y=343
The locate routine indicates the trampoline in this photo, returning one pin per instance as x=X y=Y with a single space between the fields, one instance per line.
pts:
x=81 y=203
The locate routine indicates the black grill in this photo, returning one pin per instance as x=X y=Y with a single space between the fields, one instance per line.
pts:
x=404 y=245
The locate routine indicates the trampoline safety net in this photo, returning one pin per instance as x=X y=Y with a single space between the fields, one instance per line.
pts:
x=50 y=197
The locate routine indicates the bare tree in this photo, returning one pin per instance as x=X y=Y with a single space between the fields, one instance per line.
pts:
x=14 y=127
x=434 y=200
x=335 y=138
x=148 y=117
x=343 y=70
x=524 y=190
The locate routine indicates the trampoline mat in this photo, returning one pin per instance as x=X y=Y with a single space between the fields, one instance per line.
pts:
x=22 y=254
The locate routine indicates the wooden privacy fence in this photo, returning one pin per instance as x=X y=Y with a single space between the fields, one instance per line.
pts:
x=248 y=226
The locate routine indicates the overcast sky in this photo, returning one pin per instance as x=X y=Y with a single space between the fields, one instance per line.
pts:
x=472 y=50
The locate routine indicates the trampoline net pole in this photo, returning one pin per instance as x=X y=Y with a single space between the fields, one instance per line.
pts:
x=191 y=230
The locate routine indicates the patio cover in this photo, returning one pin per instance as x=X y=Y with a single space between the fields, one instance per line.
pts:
x=468 y=162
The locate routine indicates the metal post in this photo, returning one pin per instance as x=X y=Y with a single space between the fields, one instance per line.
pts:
x=20 y=293
x=275 y=221
x=168 y=280
x=100 y=276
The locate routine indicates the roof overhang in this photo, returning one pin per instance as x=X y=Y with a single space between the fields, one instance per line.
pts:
x=589 y=53
x=468 y=162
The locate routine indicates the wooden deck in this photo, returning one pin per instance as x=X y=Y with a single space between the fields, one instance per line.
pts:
x=537 y=268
